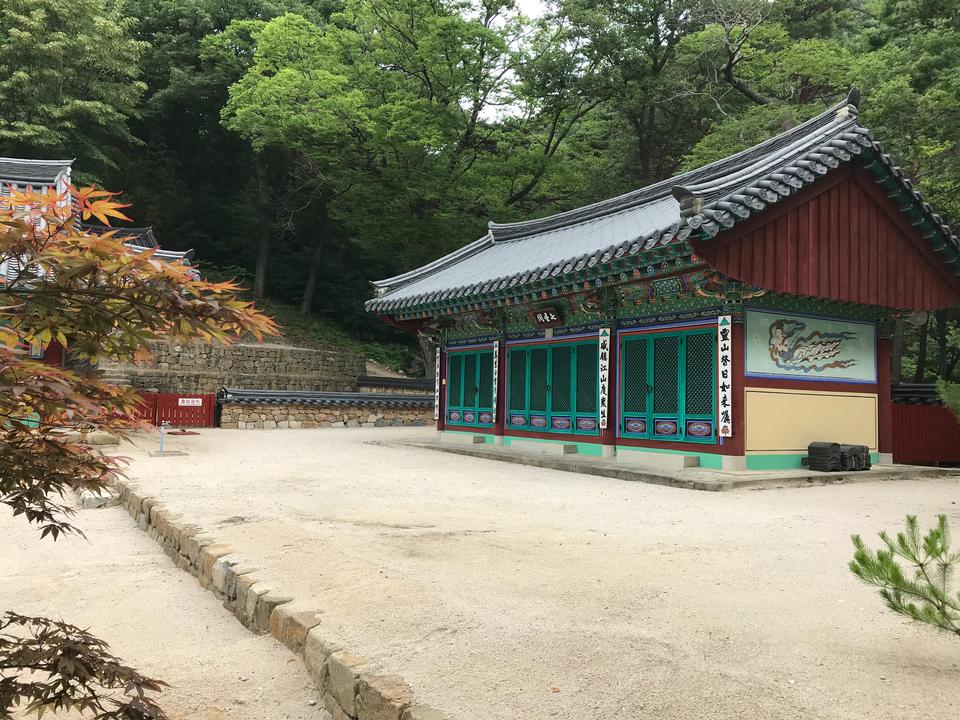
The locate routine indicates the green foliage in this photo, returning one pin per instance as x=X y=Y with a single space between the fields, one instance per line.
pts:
x=356 y=139
x=924 y=591
x=68 y=81
x=394 y=350
x=950 y=395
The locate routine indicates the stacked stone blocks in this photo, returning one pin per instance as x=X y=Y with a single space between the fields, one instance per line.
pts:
x=351 y=687
x=204 y=368
x=245 y=416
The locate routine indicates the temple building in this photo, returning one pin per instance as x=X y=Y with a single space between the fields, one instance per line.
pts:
x=723 y=318
x=40 y=175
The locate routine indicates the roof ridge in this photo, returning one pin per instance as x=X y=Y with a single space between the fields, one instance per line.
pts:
x=661 y=188
x=725 y=192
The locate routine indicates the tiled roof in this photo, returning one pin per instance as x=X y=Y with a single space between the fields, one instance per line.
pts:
x=309 y=397
x=17 y=170
x=517 y=257
x=142 y=237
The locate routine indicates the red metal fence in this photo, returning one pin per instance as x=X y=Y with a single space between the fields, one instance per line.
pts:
x=179 y=410
x=925 y=434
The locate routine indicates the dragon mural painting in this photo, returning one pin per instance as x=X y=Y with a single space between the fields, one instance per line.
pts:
x=790 y=349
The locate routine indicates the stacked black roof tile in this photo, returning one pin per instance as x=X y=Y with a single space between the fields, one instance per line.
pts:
x=229 y=396
x=837 y=457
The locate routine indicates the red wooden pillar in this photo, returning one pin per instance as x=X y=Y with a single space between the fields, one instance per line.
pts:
x=442 y=404
x=608 y=435
x=736 y=445
x=500 y=418
x=884 y=401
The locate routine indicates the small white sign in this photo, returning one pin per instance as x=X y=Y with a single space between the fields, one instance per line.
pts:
x=190 y=402
x=436 y=387
x=724 y=376
x=603 y=372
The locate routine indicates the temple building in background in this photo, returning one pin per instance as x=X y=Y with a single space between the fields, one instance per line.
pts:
x=40 y=175
x=726 y=317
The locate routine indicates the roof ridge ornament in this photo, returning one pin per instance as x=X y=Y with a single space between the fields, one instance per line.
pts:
x=690 y=204
x=851 y=106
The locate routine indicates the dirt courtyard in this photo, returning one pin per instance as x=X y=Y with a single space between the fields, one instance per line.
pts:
x=118 y=583
x=501 y=591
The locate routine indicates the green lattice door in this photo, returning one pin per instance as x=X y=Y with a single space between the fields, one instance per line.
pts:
x=667 y=386
x=554 y=388
x=470 y=387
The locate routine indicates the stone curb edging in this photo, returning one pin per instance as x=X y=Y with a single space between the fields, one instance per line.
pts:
x=620 y=472
x=349 y=683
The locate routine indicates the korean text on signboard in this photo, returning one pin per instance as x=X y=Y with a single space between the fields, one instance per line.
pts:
x=603 y=358
x=436 y=388
x=725 y=376
x=496 y=375
x=546 y=317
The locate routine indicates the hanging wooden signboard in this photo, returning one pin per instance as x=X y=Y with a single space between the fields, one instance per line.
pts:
x=546 y=317
x=725 y=376
x=496 y=376
x=603 y=373
x=436 y=387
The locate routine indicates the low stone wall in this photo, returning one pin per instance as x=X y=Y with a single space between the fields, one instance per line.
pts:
x=351 y=685
x=203 y=368
x=245 y=416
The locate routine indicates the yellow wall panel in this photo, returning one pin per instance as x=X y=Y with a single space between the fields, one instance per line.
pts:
x=789 y=420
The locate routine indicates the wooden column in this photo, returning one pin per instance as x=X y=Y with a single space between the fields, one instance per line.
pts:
x=500 y=418
x=735 y=445
x=443 y=388
x=884 y=400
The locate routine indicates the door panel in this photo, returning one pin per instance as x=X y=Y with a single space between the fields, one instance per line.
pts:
x=668 y=386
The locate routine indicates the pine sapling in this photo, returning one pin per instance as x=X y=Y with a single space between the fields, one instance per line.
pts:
x=924 y=589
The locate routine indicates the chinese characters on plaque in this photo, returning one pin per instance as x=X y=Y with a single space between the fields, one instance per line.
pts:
x=496 y=375
x=603 y=358
x=436 y=388
x=725 y=376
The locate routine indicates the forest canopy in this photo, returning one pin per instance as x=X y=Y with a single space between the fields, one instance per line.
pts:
x=309 y=146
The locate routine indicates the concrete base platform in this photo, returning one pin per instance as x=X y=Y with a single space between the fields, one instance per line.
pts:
x=690 y=478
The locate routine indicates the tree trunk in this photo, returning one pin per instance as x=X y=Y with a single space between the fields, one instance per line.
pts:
x=941 y=316
x=264 y=211
x=306 y=304
x=896 y=353
x=922 y=354
x=429 y=354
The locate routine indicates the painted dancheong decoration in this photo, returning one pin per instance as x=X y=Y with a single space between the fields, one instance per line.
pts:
x=603 y=358
x=800 y=346
x=724 y=380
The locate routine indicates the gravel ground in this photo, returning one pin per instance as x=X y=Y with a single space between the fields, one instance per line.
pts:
x=502 y=591
x=127 y=592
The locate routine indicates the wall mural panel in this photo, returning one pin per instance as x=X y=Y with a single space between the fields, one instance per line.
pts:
x=810 y=348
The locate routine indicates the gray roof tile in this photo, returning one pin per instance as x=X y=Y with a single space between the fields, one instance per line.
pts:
x=19 y=170
x=706 y=200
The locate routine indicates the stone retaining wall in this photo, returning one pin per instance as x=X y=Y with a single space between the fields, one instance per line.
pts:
x=203 y=368
x=351 y=685
x=245 y=416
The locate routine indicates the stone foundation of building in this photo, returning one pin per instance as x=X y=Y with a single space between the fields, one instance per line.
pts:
x=295 y=415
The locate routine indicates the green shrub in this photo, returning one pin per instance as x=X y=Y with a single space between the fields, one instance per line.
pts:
x=950 y=395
